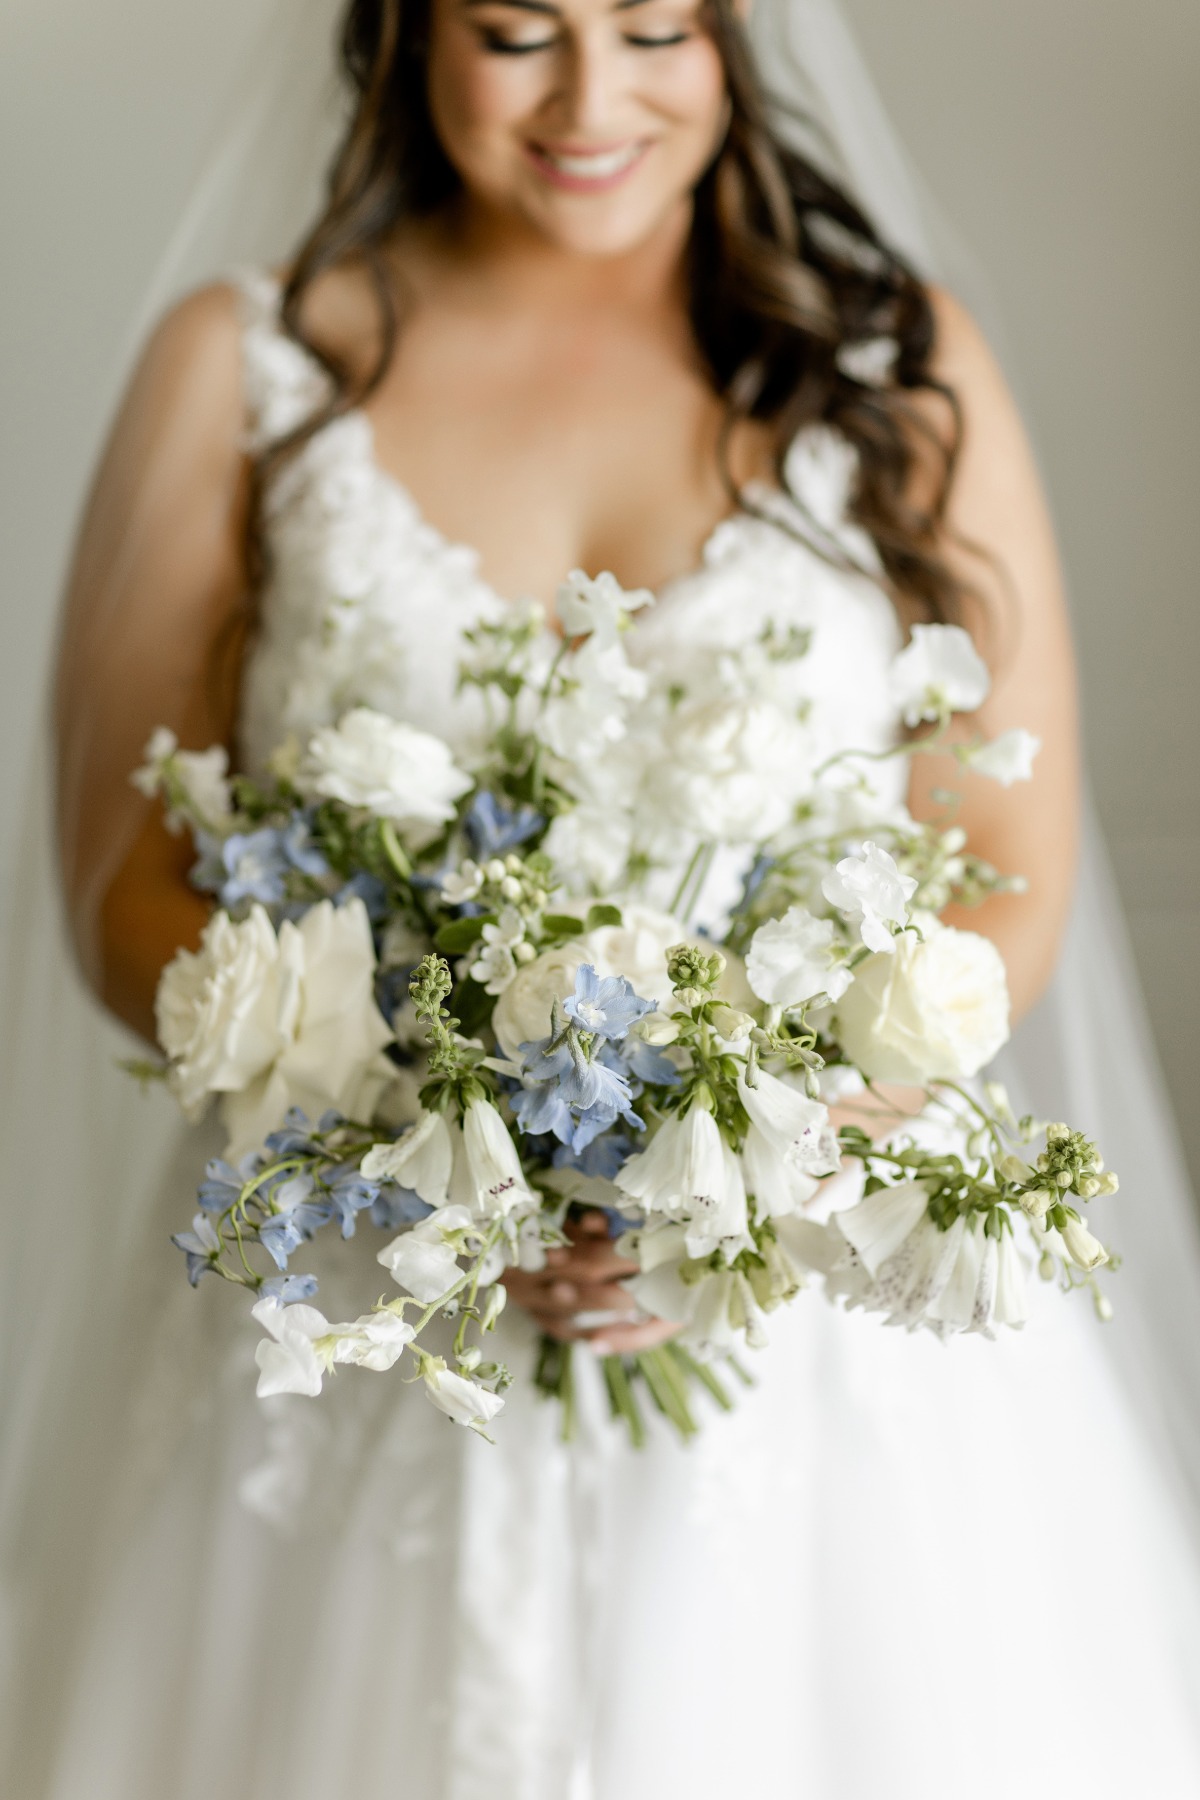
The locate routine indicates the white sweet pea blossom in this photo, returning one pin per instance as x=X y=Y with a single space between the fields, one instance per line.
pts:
x=376 y=1341
x=495 y=966
x=935 y=1010
x=939 y=672
x=870 y=892
x=201 y=777
x=791 y=960
x=1007 y=758
x=461 y=1400
x=422 y=1159
x=421 y=1262
x=598 y=607
x=493 y=1180
x=390 y=769
x=288 y=1361
x=272 y=1021
x=689 y=1174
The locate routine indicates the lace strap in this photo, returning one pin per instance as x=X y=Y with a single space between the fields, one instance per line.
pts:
x=283 y=386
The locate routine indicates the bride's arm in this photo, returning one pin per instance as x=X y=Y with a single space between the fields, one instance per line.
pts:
x=1020 y=622
x=157 y=580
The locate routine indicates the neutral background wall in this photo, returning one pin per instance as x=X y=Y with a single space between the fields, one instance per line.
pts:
x=1061 y=136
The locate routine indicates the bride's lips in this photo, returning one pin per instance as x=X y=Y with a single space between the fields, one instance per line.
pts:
x=586 y=169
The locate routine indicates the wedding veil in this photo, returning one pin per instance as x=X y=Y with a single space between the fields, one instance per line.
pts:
x=84 y=1151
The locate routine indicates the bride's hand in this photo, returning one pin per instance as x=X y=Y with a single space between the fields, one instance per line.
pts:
x=588 y=1278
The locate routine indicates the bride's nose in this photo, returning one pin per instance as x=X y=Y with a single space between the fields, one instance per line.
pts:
x=590 y=87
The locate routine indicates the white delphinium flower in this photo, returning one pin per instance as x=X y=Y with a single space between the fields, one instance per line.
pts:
x=791 y=960
x=421 y=1261
x=1007 y=758
x=790 y=1144
x=493 y=1175
x=936 y=1010
x=598 y=607
x=462 y=884
x=689 y=1174
x=939 y=672
x=390 y=769
x=289 y=1362
x=422 y=1159
x=463 y=1401
x=270 y=1021
x=495 y=964
x=870 y=892
x=200 y=778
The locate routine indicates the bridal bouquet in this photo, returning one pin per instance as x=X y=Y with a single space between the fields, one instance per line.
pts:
x=622 y=949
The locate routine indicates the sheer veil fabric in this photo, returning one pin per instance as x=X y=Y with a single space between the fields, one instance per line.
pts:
x=86 y=1157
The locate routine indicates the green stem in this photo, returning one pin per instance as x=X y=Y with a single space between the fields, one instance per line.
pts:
x=622 y=1399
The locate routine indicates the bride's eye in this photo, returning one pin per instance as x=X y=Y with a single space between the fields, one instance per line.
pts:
x=498 y=45
x=658 y=43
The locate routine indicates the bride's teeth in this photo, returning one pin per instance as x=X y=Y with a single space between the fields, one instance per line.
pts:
x=597 y=167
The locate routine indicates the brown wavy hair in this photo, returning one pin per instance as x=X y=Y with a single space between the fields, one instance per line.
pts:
x=785 y=273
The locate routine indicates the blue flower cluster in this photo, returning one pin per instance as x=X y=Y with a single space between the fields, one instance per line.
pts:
x=256 y=865
x=582 y=1079
x=494 y=829
x=294 y=1201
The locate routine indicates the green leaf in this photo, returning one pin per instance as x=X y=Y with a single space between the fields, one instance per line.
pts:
x=563 y=925
x=599 y=916
x=461 y=934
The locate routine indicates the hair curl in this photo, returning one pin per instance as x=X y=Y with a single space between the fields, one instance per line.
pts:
x=785 y=273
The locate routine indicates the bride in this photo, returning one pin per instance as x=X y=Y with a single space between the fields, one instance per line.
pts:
x=574 y=303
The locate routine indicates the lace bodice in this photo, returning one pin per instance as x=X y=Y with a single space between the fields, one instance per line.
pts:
x=366 y=600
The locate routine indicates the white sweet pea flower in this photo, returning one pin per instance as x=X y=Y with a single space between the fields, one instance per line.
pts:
x=689 y=1174
x=421 y=1262
x=461 y=1400
x=494 y=1179
x=422 y=1159
x=870 y=892
x=272 y=1021
x=462 y=884
x=598 y=607
x=939 y=672
x=291 y=1363
x=495 y=965
x=390 y=769
x=376 y=1341
x=935 y=1010
x=791 y=960
x=789 y=1145
x=199 y=778
x=1007 y=758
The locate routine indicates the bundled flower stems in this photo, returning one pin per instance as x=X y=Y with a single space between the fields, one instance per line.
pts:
x=624 y=960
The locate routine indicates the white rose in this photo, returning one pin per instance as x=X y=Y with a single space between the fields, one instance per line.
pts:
x=734 y=769
x=522 y=1014
x=791 y=960
x=939 y=671
x=217 y=1010
x=934 y=1010
x=391 y=769
x=1007 y=758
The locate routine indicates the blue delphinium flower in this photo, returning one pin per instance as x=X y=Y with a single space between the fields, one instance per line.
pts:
x=293 y=1137
x=494 y=828
x=370 y=890
x=394 y=1206
x=349 y=1194
x=288 y=1289
x=540 y=1109
x=223 y=1183
x=300 y=850
x=298 y=1217
x=604 y=1005
x=602 y=1159
x=647 y=1066
x=201 y=1244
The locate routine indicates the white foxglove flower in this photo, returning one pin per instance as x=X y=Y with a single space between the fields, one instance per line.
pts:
x=376 y=1341
x=390 y=769
x=902 y=1265
x=939 y=672
x=495 y=965
x=935 y=1010
x=1086 y=1251
x=290 y=1364
x=878 y=1225
x=689 y=1174
x=421 y=1262
x=422 y=1159
x=870 y=892
x=1007 y=758
x=789 y=1145
x=1012 y=1286
x=791 y=960
x=494 y=1176
x=598 y=607
x=461 y=1400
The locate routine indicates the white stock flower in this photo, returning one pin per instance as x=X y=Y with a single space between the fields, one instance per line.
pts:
x=870 y=892
x=591 y=846
x=939 y=672
x=689 y=1174
x=589 y=715
x=421 y=1160
x=461 y=1400
x=391 y=769
x=421 y=1262
x=1007 y=758
x=289 y=1362
x=789 y=1145
x=494 y=1178
x=495 y=965
x=791 y=960
x=203 y=775
x=598 y=607
x=936 y=1010
x=733 y=769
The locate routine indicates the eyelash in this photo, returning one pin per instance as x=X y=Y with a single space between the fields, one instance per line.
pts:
x=499 y=46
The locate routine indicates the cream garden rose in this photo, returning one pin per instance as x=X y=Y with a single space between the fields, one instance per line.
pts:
x=934 y=1010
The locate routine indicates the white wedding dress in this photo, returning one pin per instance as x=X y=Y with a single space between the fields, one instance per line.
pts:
x=896 y=1569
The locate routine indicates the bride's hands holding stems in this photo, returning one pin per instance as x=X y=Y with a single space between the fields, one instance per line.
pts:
x=582 y=1281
